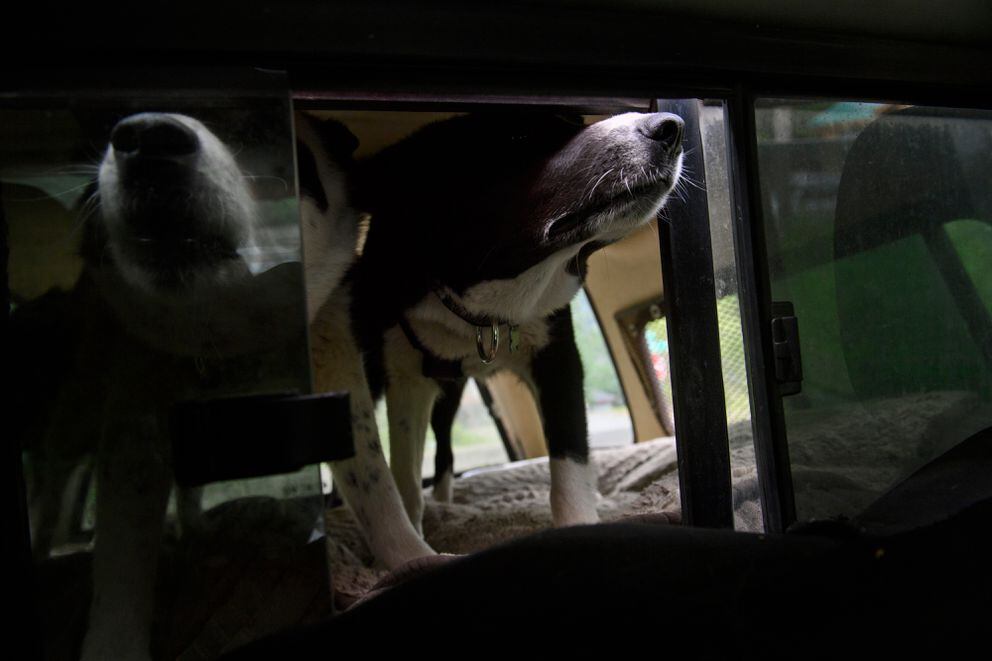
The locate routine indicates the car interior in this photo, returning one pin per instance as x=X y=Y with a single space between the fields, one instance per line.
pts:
x=786 y=373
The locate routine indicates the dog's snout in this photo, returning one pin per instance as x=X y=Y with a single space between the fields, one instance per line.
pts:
x=153 y=136
x=665 y=129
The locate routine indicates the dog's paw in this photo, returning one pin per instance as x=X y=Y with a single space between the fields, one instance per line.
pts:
x=444 y=488
x=575 y=517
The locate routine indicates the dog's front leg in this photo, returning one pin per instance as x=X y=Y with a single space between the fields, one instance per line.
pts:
x=133 y=481
x=410 y=399
x=364 y=481
x=556 y=377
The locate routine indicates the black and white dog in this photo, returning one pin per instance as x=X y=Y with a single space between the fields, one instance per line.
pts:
x=481 y=228
x=174 y=305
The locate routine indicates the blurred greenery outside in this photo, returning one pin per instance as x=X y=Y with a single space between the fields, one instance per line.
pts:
x=875 y=288
x=731 y=354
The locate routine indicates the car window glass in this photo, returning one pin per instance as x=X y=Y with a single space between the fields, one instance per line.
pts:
x=877 y=222
x=154 y=261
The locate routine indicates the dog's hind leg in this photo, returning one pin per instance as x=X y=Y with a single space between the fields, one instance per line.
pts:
x=442 y=420
x=364 y=481
x=556 y=377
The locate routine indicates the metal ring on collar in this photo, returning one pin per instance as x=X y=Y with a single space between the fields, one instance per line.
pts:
x=490 y=356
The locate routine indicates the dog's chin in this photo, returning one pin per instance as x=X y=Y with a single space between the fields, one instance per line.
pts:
x=175 y=274
x=631 y=213
x=630 y=204
x=611 y=216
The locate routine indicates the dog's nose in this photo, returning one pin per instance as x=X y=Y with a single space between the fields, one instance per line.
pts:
x=153 y=135
x=664 y=128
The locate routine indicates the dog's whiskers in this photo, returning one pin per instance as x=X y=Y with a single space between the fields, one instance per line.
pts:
x=588 y=196
x=624 y=180
x=686 y=177
x=86 y=211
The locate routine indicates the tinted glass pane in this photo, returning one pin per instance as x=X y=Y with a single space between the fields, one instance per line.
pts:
x=878 y=231
x=155 y=259
x=747 y=508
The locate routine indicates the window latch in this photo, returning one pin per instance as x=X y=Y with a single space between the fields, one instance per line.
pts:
x=785 y=344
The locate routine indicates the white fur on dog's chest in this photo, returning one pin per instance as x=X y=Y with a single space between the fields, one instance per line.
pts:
x=526 y=301
x=537 y=292
x=449 y=337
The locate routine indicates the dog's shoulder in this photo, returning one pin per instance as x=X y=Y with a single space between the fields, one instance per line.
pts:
x=330 y=222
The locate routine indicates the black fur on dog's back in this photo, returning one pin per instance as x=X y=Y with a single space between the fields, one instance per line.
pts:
x=470 y=179
x=459 y=216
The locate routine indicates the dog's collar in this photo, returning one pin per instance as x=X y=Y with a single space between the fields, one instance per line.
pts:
x=450 y=300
